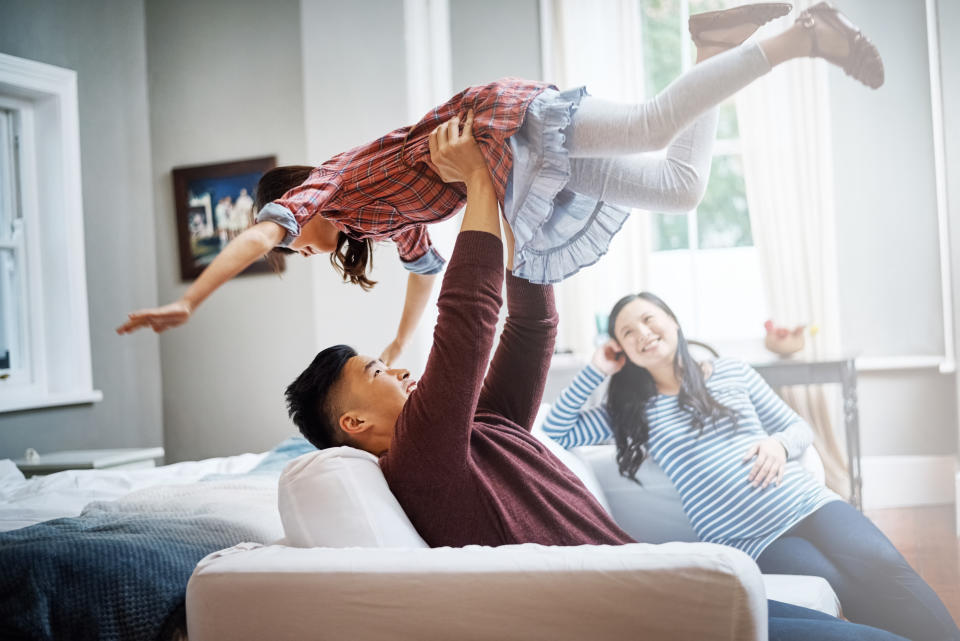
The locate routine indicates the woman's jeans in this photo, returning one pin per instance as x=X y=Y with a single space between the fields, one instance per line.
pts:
x=875 y=584
x=793 y=623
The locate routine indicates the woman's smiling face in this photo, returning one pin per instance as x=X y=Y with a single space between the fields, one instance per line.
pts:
x=646 y=333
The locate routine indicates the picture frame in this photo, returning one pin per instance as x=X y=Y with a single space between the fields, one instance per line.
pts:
x=214 y=203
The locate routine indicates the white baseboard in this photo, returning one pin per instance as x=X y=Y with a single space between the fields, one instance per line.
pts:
x=909 y=481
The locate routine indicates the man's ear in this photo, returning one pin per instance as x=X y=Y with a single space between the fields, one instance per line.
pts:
x=353 y=424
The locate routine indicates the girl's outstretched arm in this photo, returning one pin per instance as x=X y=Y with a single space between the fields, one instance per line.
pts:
x=419 y=287
x=239 y=253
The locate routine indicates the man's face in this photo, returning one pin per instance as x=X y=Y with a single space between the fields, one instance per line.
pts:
x=375 y=395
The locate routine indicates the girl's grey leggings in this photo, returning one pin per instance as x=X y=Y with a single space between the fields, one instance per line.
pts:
x=606 y=140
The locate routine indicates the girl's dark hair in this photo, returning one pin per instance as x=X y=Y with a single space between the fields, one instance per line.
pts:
x=353 y=258
x=632 y=388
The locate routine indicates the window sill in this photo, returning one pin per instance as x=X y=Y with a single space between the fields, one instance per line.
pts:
x=23 y=402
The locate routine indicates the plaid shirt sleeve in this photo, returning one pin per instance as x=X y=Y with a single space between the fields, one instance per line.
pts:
x=417 y=252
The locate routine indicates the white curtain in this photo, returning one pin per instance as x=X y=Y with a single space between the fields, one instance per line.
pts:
x=784 y=122
x=599 y=46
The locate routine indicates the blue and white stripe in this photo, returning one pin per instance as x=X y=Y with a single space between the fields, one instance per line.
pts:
x=707 y=467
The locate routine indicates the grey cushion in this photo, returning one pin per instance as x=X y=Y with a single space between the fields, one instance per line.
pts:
x=649 y=511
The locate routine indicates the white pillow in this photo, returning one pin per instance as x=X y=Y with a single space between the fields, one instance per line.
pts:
x=338 y=498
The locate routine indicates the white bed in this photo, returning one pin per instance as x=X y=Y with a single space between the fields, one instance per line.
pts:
x=26 y=501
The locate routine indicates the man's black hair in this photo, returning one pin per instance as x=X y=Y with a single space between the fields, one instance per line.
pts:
x=309 y=401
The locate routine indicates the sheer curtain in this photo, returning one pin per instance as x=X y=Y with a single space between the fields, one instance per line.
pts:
x=785 y=135
x=784 y=123
x=600 y=46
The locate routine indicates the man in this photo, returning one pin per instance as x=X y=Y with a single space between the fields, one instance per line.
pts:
x=455 y=447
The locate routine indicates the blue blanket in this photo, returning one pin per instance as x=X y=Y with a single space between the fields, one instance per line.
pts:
x=109 y=574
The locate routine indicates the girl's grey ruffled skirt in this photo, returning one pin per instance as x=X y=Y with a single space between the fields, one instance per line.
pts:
x=557 y=231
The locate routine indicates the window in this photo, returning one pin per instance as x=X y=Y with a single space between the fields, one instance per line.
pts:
x=44 y=335
x=703 y=264
x=13 y=361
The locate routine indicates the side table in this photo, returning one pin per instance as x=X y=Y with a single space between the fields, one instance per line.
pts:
x=786 y=372
x=113 y=459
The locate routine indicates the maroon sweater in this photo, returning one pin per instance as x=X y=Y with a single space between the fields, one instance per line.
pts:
x=463 y=463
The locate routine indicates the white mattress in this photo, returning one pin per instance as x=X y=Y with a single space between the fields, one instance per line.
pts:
x=513 y=592
x=25 y=501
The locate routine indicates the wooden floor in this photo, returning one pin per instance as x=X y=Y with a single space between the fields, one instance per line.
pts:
x=927 y=537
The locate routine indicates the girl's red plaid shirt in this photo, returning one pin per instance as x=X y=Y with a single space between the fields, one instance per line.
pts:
x=384 y=189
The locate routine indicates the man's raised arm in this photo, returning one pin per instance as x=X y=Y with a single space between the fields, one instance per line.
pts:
x=443 y=407
x=518 y=373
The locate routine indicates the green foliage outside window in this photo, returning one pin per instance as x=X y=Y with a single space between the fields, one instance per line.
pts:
x=722 y=218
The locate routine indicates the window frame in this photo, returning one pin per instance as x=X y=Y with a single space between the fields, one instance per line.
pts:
x=694 y=253
x=57 y=332
x=21 y=356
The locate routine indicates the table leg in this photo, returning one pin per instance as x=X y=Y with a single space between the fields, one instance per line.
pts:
x=851 y=422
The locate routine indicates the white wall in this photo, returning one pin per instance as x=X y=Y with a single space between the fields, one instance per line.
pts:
x=887 y=235
x=103 y=41
x=225 y=83
x=494 y=39
x=949 y=25
x=353 y=95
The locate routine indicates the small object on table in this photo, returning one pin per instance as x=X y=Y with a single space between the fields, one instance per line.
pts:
x=34 y=464
x=783 y=341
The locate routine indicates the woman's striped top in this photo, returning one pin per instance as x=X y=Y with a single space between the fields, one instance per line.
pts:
x=707 y=467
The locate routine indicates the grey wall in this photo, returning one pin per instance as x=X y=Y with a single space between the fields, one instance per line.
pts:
x=225 y=83
x=103 y=41
x=360 y=95
x=342 y=112
x=494 y=39
x=889 y=267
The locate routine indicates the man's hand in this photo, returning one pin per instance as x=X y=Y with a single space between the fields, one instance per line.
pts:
x=770 y=464
x=609 y=358
x=159 y=318
x=454 y=154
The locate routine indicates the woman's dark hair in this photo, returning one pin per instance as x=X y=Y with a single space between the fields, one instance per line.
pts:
x=353 y=258
x=631 y=389
x=310 y=403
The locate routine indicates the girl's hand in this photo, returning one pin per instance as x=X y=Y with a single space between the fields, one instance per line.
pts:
x=159 y=318
x=392 y=351
x=455 y=155
x=770 y=464
x=609 y=358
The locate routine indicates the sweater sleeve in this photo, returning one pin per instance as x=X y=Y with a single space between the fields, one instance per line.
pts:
x=436 y=420
x=776 y=417
x=518 y=373
x=569 y=423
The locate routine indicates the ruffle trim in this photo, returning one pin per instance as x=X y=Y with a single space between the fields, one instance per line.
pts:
x=552 y=265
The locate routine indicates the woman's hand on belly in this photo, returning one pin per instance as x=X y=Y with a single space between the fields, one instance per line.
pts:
x=771 y=460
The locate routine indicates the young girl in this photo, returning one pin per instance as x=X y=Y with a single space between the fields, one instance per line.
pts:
x=564 y=167
x=729 y=445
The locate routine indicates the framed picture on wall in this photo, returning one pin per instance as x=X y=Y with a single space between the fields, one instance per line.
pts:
x=214 y=203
